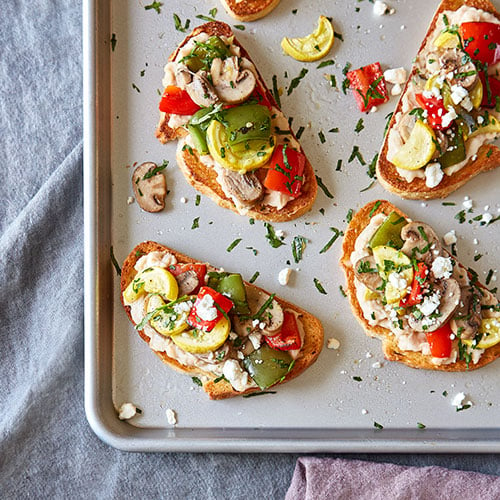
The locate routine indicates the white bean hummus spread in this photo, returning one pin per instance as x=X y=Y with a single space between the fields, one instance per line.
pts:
x=447 y=92
x=419 y=292
x=206 y=88
x=235 y=349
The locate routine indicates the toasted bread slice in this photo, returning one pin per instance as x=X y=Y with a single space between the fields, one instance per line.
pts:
x=312 y=345
x=204 y=178
x=389 y=342
x=487 y=158
x=249 y=10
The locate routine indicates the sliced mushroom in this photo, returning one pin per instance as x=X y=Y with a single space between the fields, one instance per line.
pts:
x=449 y=292
x=150 y=187
x=456 y=71
x=201 y=91
x=244 y=189
x=467 y=319
x=270 y=319
x=441 y=144
x=366 y=272
x=405 y=126
x=231 y=84
x=420 y=241
x=183 y=76
x=188 y=282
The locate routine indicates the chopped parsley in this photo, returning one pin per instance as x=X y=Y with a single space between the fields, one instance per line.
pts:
x=276 y=92
x=357 y=379
x=274 y=241
x=299 y=132
x=356 y=154
x=155 y=170
x=113 y=42
x=231 y=247
x=295 y=81
x=198 y=199
x=114 y=261
x=342 y=291
x=178 y=24
x=251 y=395
x=377 y=425
x=388 y=120
x=196 y=223
x=319 y=286
x=323 y=64
x=197 y=381
x=420 y=425
x=321 y=136
x=298 y=247
x=254 y=277
x=135 y=87
x=155 y=6
x=375 y=208
x=239 y=27
x=332 y=240
x=338 y=168
x=359 y=126
x=205 y=18
x=323 y=187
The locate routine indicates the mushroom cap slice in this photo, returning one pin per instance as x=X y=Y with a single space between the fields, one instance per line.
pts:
x=467 y=319
x=244 y=189
x=449 y=291
x=370 y=277
x=201 y=90
x=420 y=241
x=456 y=71
x=150 y=187
x=232 y=85
x=188 y=282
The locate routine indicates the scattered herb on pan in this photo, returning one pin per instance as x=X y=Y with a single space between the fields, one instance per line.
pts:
x=464 y=407
x=359 y=126
x=445 y=393
x=375 y=208
x=178 y=24
x=218 y=379
x=323 y=64
x=321 y=136
x=252 y=394
x=371 y=171
x=114 y=261
x=135 y=87
x=339 y=165
x=388 y=120
x=251 y=221
x=300 y=132
x=274 y=241
x=231 y=247
x=460 y=216
x=198 y=200
x=342 y=291
x=188 y=148
x=254 y=250
x=322 y=211
x=155 y=6
x=345 y=83
x=348 y=217
x=377 y=425
x=356 y=153
x=197 y=381
x=205 y=18
x=332 y=240
x=319 y=286
x=113 y=42
x=339 y=36
x=448 y=203
x=276 y=92
x=323 y=187
x=196 y=223
x=488 y=277
x=240 y=27
x=357 y=379
x=213 y=12
x=254 y=277
x=298 y=247
x=367 y=187
x=477 y=257
x=333 y=80
x=420 y=425
x=295 y=81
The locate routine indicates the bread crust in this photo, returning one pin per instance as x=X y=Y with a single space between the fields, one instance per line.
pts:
x=488 y=156
x=389 y=342
x=204 y=179
x=313 y=329
x=249 y=10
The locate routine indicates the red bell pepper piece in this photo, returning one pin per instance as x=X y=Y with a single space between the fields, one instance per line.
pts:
x=481 y=41
x=368 y=85
x=415 y=295
x=199 y=269
x=288 y=338
x=177 y=101
x=218 y=306
x=491 y=90
x=435 y=110
x=286 y=171
x=440 y=341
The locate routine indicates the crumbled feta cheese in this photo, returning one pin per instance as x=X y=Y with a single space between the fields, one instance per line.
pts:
x=255 y=322
x=255 y=339
x=480 y=120
x=487 y=218
x=398 y=281
x=333 y=343
x=467 y=104
x=433 y=175
x=448 y=117
x=130 y=200
x=374 y=109
x=475 y=241
x=364 y=411
x=467 y=204
x=184 y=200
x=380 y=8
x=280 y=233
x=458 y=399
x=396 y=90
x=368 y=355
x=205 y=308
x=126 y=411
x=236 y=376
x=429 y=304
x=262 y=325
x=442 y=267
x=395 y=75
x=458 y=93
x=284 y=276
x=183 y=307
x=377 y=364
x=171 y=416
x=450 y=237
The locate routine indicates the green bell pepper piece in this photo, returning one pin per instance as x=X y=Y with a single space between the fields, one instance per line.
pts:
x=247 y=122
x=267 y=366
x=457 y=154
x=389 y=232
x=231 y=285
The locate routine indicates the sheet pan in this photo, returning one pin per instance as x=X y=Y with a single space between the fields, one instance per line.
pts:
x=334 y=405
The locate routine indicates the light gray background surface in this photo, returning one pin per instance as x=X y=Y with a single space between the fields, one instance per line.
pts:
x=46 y=445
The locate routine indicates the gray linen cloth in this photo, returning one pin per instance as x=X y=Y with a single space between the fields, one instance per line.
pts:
x=47 y=449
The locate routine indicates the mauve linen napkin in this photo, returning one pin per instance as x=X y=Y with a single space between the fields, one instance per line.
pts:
x=324 y=478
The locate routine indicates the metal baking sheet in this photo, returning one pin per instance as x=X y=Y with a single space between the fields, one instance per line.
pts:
x=332 y=406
